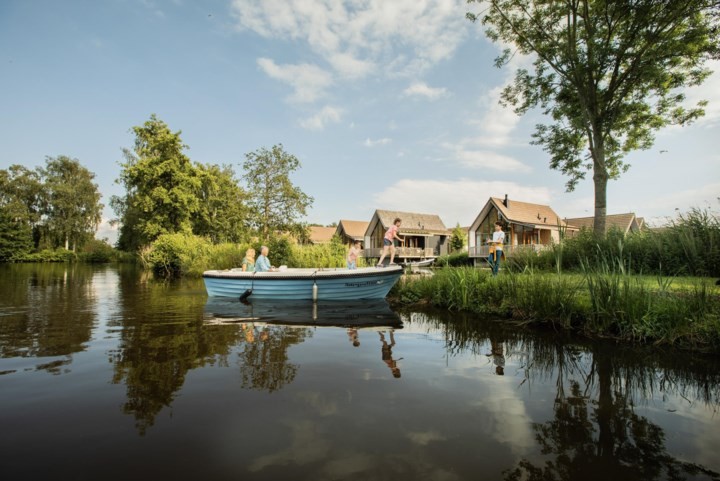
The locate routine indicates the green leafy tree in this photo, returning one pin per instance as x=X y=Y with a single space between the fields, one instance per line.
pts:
x=21 y=201
x=161 y=186
x=73 y=208
x=276 y=204
x=223 y=212
x=609 y=74
x=458 y=239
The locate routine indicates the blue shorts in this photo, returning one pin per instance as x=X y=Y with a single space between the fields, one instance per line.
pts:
x=387 y=242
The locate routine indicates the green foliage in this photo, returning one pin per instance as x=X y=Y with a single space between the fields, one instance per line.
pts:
x=609 y=74
x=689 y=246
x=605 y=301
x=96 y=252
x=48 y=255
x=458 y=239
x=173 y=255
x=161 y=187
x=223 y=212
x=73 y=206
x=15 y=236
x=456 y=259
x=281 y=251
x=276 y=203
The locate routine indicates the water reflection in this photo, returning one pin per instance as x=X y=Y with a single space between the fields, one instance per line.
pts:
x=595 y=432
x=46 y=312
x=314 y=391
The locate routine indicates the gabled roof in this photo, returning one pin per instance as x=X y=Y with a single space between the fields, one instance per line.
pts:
x=623 y=222
x=528 y=213
x=412 y=222
x=318 y=234
x=352 y=228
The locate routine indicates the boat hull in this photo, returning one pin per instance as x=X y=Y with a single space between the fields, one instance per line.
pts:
x=305 y=284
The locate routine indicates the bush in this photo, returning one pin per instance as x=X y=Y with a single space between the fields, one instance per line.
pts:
x=456 y=259
x=173 y=255
x=97 y=252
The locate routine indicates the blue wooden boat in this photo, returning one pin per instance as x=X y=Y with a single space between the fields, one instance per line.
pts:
x=309 y=284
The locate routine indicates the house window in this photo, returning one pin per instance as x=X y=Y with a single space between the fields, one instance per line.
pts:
x=487 y=227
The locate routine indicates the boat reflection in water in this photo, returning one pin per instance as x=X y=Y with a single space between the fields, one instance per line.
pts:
x=358 y=314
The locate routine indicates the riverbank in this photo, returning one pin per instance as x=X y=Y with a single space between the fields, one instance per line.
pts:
x=683 y=312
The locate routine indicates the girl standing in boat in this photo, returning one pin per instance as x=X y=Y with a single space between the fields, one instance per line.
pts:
x=388 y=244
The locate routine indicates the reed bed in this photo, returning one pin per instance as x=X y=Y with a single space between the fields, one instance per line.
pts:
x=605 y=300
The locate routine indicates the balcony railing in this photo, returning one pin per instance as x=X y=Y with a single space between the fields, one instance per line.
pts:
x=404 y=252
x=509 y=250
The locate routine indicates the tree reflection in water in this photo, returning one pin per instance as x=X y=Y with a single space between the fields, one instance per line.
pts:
x=264 y=362
x=595 y=432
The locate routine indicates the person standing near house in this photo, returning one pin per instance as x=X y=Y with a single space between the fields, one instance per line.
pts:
x=388 y=245
x=353 y=254
x=496 y=248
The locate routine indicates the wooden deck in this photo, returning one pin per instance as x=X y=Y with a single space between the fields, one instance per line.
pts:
x=404 y=252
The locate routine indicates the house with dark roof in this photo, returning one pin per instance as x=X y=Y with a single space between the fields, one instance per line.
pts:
x=625 y=223
x=527 y=226
x=350 y=231
x=425 y=235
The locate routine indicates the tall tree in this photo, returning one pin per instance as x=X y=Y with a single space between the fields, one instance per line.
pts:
x=608 y=73
x=73 y=209
x=277 y=204
x=458 y=239
x=161 y=187
x=21 y=204
x=223 y=212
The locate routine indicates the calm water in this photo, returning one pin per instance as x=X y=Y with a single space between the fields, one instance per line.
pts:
x=108 y=374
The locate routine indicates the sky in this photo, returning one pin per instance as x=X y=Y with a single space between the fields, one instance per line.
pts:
x=387 y=104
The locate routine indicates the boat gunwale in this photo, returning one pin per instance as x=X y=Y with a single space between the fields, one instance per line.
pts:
x=311 y=274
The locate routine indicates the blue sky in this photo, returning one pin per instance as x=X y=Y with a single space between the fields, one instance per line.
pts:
x=387 y=104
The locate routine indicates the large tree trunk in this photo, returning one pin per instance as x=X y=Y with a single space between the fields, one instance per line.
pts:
x=600 y=179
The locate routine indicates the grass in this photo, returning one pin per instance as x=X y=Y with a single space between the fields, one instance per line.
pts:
x=599 y=302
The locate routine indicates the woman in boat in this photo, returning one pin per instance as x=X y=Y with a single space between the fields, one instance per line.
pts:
x=248 y=263
x=388 y=242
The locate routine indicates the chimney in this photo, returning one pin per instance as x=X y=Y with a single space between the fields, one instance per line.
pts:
x=506 y=202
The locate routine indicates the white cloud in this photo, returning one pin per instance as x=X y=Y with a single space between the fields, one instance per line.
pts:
x=702 y=197
x=399 y=37
x=497 y=124
x=372 y=143
x=421 y=89
x=323 y=117
x=107 y=231
x=453 y=200
x=308 y=81
x=484 y=159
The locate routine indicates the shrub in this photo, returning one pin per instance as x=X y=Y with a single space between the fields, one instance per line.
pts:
x=172 y=255
x=97 y=252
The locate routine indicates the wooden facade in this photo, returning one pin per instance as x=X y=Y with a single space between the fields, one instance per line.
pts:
x=527 y=227
x=425 y=235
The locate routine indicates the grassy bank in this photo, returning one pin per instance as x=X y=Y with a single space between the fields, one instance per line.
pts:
x=598 y=302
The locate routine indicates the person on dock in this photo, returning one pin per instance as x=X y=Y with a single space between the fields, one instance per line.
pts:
x=263 y=263
x=389 y=241
x=248 y=262
x=387 y=354
x=353 y=254
x=496 y=248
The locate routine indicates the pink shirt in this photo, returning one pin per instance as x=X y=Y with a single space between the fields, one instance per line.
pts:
x=352 y=255
x=390 y=234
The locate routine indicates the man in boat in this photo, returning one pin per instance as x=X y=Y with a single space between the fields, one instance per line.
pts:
x=262 y=264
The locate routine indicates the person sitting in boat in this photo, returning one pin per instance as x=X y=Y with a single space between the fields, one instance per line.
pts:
x=262 y=264
x=248 y=263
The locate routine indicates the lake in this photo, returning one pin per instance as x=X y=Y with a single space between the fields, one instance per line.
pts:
x=107 y=373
